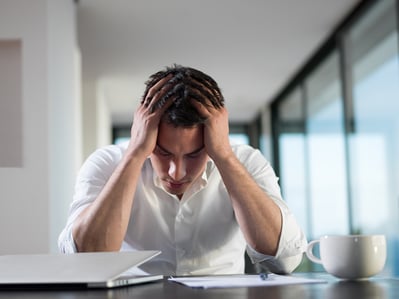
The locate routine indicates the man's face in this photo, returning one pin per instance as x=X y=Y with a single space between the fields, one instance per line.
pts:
x=179 y=157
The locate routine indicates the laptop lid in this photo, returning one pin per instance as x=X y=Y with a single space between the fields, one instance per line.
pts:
x=94 y=269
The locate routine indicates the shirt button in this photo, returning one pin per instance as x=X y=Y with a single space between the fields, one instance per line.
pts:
x=179 y=217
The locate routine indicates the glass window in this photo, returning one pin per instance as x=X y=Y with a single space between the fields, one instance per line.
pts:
x=238 y=138
x=238 y=134
x=374 y=141
x=292 y=156
x=326 y=150
x=338 y=159
x=120 y=134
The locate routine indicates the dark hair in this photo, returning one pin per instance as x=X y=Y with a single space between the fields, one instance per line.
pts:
x=185 y=85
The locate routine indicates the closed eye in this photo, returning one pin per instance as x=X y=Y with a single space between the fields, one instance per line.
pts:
x=162 y=152
x=196 y=153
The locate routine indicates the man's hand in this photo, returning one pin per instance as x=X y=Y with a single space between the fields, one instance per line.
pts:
x=146 y=120
x=102 y=225
x=216 y=130
x=258 y=216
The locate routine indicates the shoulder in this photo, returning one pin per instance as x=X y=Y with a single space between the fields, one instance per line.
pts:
x=244 y=152
x=112 y=151
x=252 y=159
x=103 y=160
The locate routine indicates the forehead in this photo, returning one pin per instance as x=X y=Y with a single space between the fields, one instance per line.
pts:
x=180 y=139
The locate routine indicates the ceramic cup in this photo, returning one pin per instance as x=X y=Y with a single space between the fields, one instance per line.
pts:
x=350 y=256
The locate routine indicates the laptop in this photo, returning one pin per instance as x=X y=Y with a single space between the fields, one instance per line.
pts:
x=78 y=270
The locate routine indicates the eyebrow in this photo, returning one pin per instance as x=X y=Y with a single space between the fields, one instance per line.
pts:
x=192 y=153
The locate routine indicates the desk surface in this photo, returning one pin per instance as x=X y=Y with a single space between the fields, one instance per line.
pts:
x=381 y=288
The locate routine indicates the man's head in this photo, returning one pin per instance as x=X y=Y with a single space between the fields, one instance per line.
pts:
x=180 y=157
x=186 y=85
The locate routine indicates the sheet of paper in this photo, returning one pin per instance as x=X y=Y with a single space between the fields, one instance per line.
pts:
x=234 y=281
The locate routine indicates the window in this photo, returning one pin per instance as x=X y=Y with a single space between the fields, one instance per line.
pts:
x=336 y=126
x=372 y=46
x=326 y=150
x=293 y=167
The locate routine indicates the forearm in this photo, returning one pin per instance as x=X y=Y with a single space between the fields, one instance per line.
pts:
x=257 y=214
x=102 y=225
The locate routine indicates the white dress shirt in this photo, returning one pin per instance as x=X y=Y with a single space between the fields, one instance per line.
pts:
x=198 y=234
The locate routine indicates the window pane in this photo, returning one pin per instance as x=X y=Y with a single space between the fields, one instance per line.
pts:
x=326 y=150
x=238 y=138
x=292 y=174
x=292 y=156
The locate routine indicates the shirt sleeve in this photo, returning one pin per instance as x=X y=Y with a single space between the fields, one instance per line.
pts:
x=291 y=247
x=90 y=180
x=66 y=244
x=292 y=242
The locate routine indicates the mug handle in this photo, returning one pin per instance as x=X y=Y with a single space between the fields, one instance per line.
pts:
x=309 y=252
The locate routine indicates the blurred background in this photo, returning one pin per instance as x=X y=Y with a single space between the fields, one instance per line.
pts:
x=314 y=84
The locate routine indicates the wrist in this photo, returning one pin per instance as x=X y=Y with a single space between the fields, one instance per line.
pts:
x=224 y=157
x=135 y=154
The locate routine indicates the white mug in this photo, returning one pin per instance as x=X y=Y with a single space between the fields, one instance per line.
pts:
x=350 y=256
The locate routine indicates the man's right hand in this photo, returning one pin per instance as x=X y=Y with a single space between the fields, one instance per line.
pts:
x=147 y=117
x=102 y=225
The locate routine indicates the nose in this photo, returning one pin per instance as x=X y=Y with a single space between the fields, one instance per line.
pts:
x=177 y=169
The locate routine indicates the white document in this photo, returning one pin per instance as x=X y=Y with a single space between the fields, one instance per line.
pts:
x=236 y=281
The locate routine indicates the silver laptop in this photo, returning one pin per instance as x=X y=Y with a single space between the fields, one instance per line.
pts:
x=87 y=270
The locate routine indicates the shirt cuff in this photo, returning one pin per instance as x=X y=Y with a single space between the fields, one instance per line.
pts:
x=66 y=243
x=291 y=247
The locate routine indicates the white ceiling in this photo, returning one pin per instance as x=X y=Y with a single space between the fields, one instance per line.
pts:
x=251 y=48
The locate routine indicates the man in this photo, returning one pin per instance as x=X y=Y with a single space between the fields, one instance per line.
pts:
x=179 y=186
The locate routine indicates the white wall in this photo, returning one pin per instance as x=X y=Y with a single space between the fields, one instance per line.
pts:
x=89 y=113
x=97 y=122
x=104 y=122
x=34 y=197
x=64 y=116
